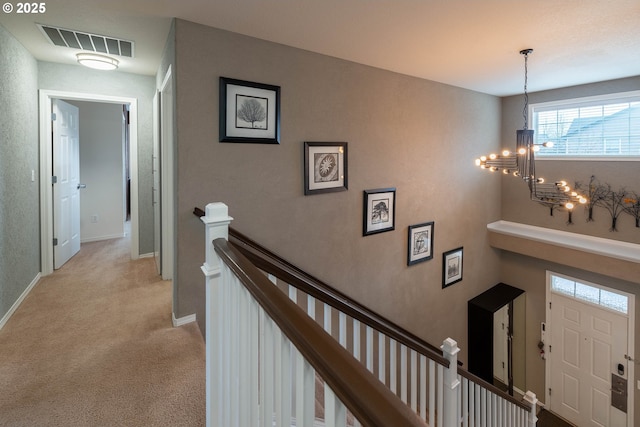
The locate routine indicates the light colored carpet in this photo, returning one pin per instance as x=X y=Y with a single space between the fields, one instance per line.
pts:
x=93 y=345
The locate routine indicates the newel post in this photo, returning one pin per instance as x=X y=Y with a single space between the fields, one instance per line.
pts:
x=533 y=400
x=451 y=383
x=216 y=221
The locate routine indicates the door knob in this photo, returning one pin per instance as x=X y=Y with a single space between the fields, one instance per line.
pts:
x=82 y=186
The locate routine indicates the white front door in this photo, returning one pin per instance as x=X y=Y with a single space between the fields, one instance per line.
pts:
x=66 y=188
x=588 y=344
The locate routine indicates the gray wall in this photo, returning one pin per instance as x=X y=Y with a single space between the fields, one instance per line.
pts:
x=528 y=272
x=19 y=195
x=419 y=136
x=73 y=78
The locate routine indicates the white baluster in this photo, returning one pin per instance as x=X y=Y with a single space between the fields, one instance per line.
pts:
x=423 y=387
x=382 y=364
x=393 y=366
x=369 y=347
x=414 y=380
x=432 y=392
x=403 y=373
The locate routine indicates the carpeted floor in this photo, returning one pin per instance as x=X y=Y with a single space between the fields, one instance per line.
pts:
x=93 y=345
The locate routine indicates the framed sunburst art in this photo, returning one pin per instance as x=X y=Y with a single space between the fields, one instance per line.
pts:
x=325 y=167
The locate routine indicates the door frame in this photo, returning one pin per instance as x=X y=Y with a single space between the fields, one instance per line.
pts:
x=46 y=170
x=631 y=315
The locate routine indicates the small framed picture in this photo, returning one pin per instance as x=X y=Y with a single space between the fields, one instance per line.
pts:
x=325 y=167
x=420 y=243
x=249 y=112
x=379 y=213
x=451 y=267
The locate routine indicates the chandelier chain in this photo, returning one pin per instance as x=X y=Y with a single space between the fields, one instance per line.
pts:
x=525 y=110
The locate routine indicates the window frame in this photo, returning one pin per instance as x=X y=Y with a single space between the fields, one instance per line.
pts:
x=628 y=96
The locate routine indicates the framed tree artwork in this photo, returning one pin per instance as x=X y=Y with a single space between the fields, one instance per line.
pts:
x=249 y=112
x=451 y=267
x=379 y=211
x=325 y=167
x=420 y=243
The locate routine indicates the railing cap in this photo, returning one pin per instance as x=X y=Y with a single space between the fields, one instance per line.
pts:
x=450 y=346
x=216 y=212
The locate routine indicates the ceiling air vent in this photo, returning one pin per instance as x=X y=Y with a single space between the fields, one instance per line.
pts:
x=87 y=41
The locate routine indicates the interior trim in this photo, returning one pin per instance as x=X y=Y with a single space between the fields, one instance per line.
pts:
x=616 y=249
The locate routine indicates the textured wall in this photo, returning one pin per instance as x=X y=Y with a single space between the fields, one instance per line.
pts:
x=19 y=206
x=418 y=136
x=73 y=78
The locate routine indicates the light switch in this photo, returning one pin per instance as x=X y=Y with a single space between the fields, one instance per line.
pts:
x=33 y=175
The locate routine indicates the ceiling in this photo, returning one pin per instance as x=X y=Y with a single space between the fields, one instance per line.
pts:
x=471 y=44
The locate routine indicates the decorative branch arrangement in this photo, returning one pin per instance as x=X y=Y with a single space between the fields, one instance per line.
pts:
x=631 y=205
x=602 y=195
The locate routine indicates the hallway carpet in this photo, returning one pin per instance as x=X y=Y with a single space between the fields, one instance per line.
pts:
x=93 y=345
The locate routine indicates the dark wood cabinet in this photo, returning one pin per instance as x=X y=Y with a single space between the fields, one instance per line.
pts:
x=481 y=310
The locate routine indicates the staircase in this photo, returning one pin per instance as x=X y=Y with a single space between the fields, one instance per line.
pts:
x=286 y=349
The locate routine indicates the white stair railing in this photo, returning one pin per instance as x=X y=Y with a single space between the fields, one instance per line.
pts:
x=257 y=377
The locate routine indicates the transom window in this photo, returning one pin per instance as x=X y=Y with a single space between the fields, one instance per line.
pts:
x=589 y=128
x=589 y=293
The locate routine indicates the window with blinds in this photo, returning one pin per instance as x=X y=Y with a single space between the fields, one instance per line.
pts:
x=589 y=128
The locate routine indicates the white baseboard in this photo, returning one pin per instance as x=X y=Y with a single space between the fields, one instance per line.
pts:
x=101 y=238
x=16 y=304
x=183 y=320
x=149 y=255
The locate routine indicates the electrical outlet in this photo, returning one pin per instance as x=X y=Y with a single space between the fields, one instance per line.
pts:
x=94 y=218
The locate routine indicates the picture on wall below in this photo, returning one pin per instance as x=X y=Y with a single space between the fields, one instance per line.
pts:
x=451 y=267
x=249 y=112
x=420 y=243
x=325 y=167
x=379 y=211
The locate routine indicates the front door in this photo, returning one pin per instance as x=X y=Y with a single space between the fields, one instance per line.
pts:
x=588 y=345
x=66 y=182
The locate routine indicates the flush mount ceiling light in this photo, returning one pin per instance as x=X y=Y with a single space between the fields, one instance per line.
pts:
x=98 y=62
x=521 y=163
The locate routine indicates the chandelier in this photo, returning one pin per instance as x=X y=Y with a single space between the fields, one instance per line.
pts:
x=521 y=162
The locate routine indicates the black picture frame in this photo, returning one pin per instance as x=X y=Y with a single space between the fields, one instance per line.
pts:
x=241 y=101
x=420 y=243
x=452 y=264
x=325 y=167
x=379 y=211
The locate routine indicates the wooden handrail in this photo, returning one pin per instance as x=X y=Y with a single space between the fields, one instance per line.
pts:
x=289 y=273
x=273 y=264
x=370 y=401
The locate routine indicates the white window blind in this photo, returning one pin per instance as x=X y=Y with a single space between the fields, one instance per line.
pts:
x=594 y=127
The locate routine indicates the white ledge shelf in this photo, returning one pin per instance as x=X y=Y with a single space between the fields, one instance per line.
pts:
x=596 y=245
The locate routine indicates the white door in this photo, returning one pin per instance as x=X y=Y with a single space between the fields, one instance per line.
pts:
x=66 y=186
x=587 y=345
x=500 y=344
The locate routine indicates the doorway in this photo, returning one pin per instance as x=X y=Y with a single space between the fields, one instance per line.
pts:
x=590 y=337
x=46 y=172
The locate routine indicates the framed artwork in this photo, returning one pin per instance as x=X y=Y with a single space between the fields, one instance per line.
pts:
x=325 y=167
x=379 y=213
x=420 y=243
x=451 y=267
x=249 y=112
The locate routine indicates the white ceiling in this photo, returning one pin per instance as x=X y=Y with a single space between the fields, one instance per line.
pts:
x=472 y=44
